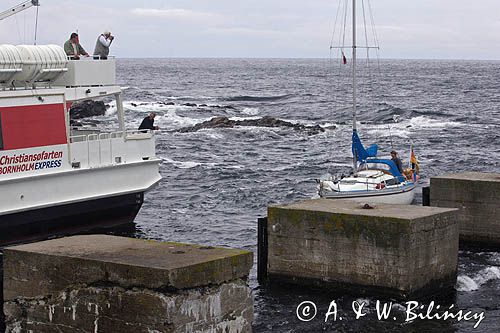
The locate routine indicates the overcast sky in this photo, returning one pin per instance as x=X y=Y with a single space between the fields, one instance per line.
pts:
x=412 y=29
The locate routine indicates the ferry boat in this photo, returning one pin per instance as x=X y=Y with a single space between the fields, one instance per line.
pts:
x=53 y=176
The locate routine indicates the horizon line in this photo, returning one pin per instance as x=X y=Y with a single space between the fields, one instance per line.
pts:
x=303 y=58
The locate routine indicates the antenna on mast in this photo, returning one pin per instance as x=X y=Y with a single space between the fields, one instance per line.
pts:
x=35 y=3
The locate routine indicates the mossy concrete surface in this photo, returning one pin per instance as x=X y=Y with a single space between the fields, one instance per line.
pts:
x=101 y=283
x=477 y=195
x=395 y=249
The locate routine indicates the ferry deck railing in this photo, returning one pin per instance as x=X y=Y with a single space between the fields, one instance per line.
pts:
x=111 y=148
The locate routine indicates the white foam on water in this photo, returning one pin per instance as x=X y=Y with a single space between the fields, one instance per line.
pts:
x=172 y=118
x=495 y=258
x=112 y=109
x=237 y=167
x=466 y=283
x=394 y=132
x=185 y=164
x=488 y=274
x=250 y=111
x=426 y=122
x=194 y=98
x=244 y=118
x=212 y=134
x=329 y=125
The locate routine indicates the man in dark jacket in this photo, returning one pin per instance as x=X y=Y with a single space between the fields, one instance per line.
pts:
x=397 y=160
x=73 y=48
x=148 y=122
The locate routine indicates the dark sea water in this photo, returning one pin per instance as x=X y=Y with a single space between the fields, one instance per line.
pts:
x=217 y=182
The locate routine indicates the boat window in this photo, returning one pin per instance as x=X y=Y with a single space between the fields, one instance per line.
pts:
x=392 y=181
x=375 y=166
x=1 y=136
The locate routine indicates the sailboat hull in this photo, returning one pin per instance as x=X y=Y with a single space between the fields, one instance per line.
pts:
x=400 y=196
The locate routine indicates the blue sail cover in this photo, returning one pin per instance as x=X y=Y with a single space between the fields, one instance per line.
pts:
x=359 y=150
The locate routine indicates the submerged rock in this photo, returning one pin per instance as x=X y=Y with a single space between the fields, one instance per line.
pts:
x=87 y=109
x=225 y=122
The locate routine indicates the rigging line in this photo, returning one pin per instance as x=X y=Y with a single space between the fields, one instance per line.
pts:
x=373 y=22
x=18 y=29
x=367 y=51
x=344 y=26
x=335 y=24
x=366 y=34
x=341 y=22
x=330 y=62
x=342 y=10
x=342 y=36
x=374 y=31
x=332 y=70
x=36 y=24
x=24 y=29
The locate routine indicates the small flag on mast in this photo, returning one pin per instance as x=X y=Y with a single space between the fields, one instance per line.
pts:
x=344 y=59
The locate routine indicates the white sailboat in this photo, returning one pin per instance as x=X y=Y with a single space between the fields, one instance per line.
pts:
x=373 y=179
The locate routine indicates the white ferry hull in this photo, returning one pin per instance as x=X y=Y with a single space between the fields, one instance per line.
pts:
x=97 y=197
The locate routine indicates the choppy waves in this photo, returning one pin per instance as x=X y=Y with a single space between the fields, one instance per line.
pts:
x=217 y=182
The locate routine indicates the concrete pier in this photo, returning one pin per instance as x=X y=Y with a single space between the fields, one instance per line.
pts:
x=394 y=250
x=478 y=196
x=114 y=284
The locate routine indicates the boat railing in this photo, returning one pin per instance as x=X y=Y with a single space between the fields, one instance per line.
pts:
x=90 y=57
x=370 y=182
x=111 y=148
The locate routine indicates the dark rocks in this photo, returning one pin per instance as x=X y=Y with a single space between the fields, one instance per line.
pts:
x=87 y=109
x=190 y=104
x=224 y=122
x=140 y=104
x=161 y=103
x=227 y=107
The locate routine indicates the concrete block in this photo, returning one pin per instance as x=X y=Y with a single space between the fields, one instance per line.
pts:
x=396 y=250
x=478 y=196
x=114 y=284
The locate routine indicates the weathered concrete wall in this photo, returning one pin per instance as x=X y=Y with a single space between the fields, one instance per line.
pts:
x=478 y=197
x=397 y=250
x=115 y=284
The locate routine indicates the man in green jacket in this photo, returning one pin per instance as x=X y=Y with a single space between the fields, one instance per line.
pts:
x=73 y=48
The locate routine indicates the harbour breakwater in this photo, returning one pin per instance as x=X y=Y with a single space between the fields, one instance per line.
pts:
x=100 y=283
x=404 y=252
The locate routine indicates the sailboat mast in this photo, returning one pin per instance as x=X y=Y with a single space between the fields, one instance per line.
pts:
x=354 y=65
x=354 y=157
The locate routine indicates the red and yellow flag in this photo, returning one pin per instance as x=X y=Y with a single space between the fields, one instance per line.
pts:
x=414 y=161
